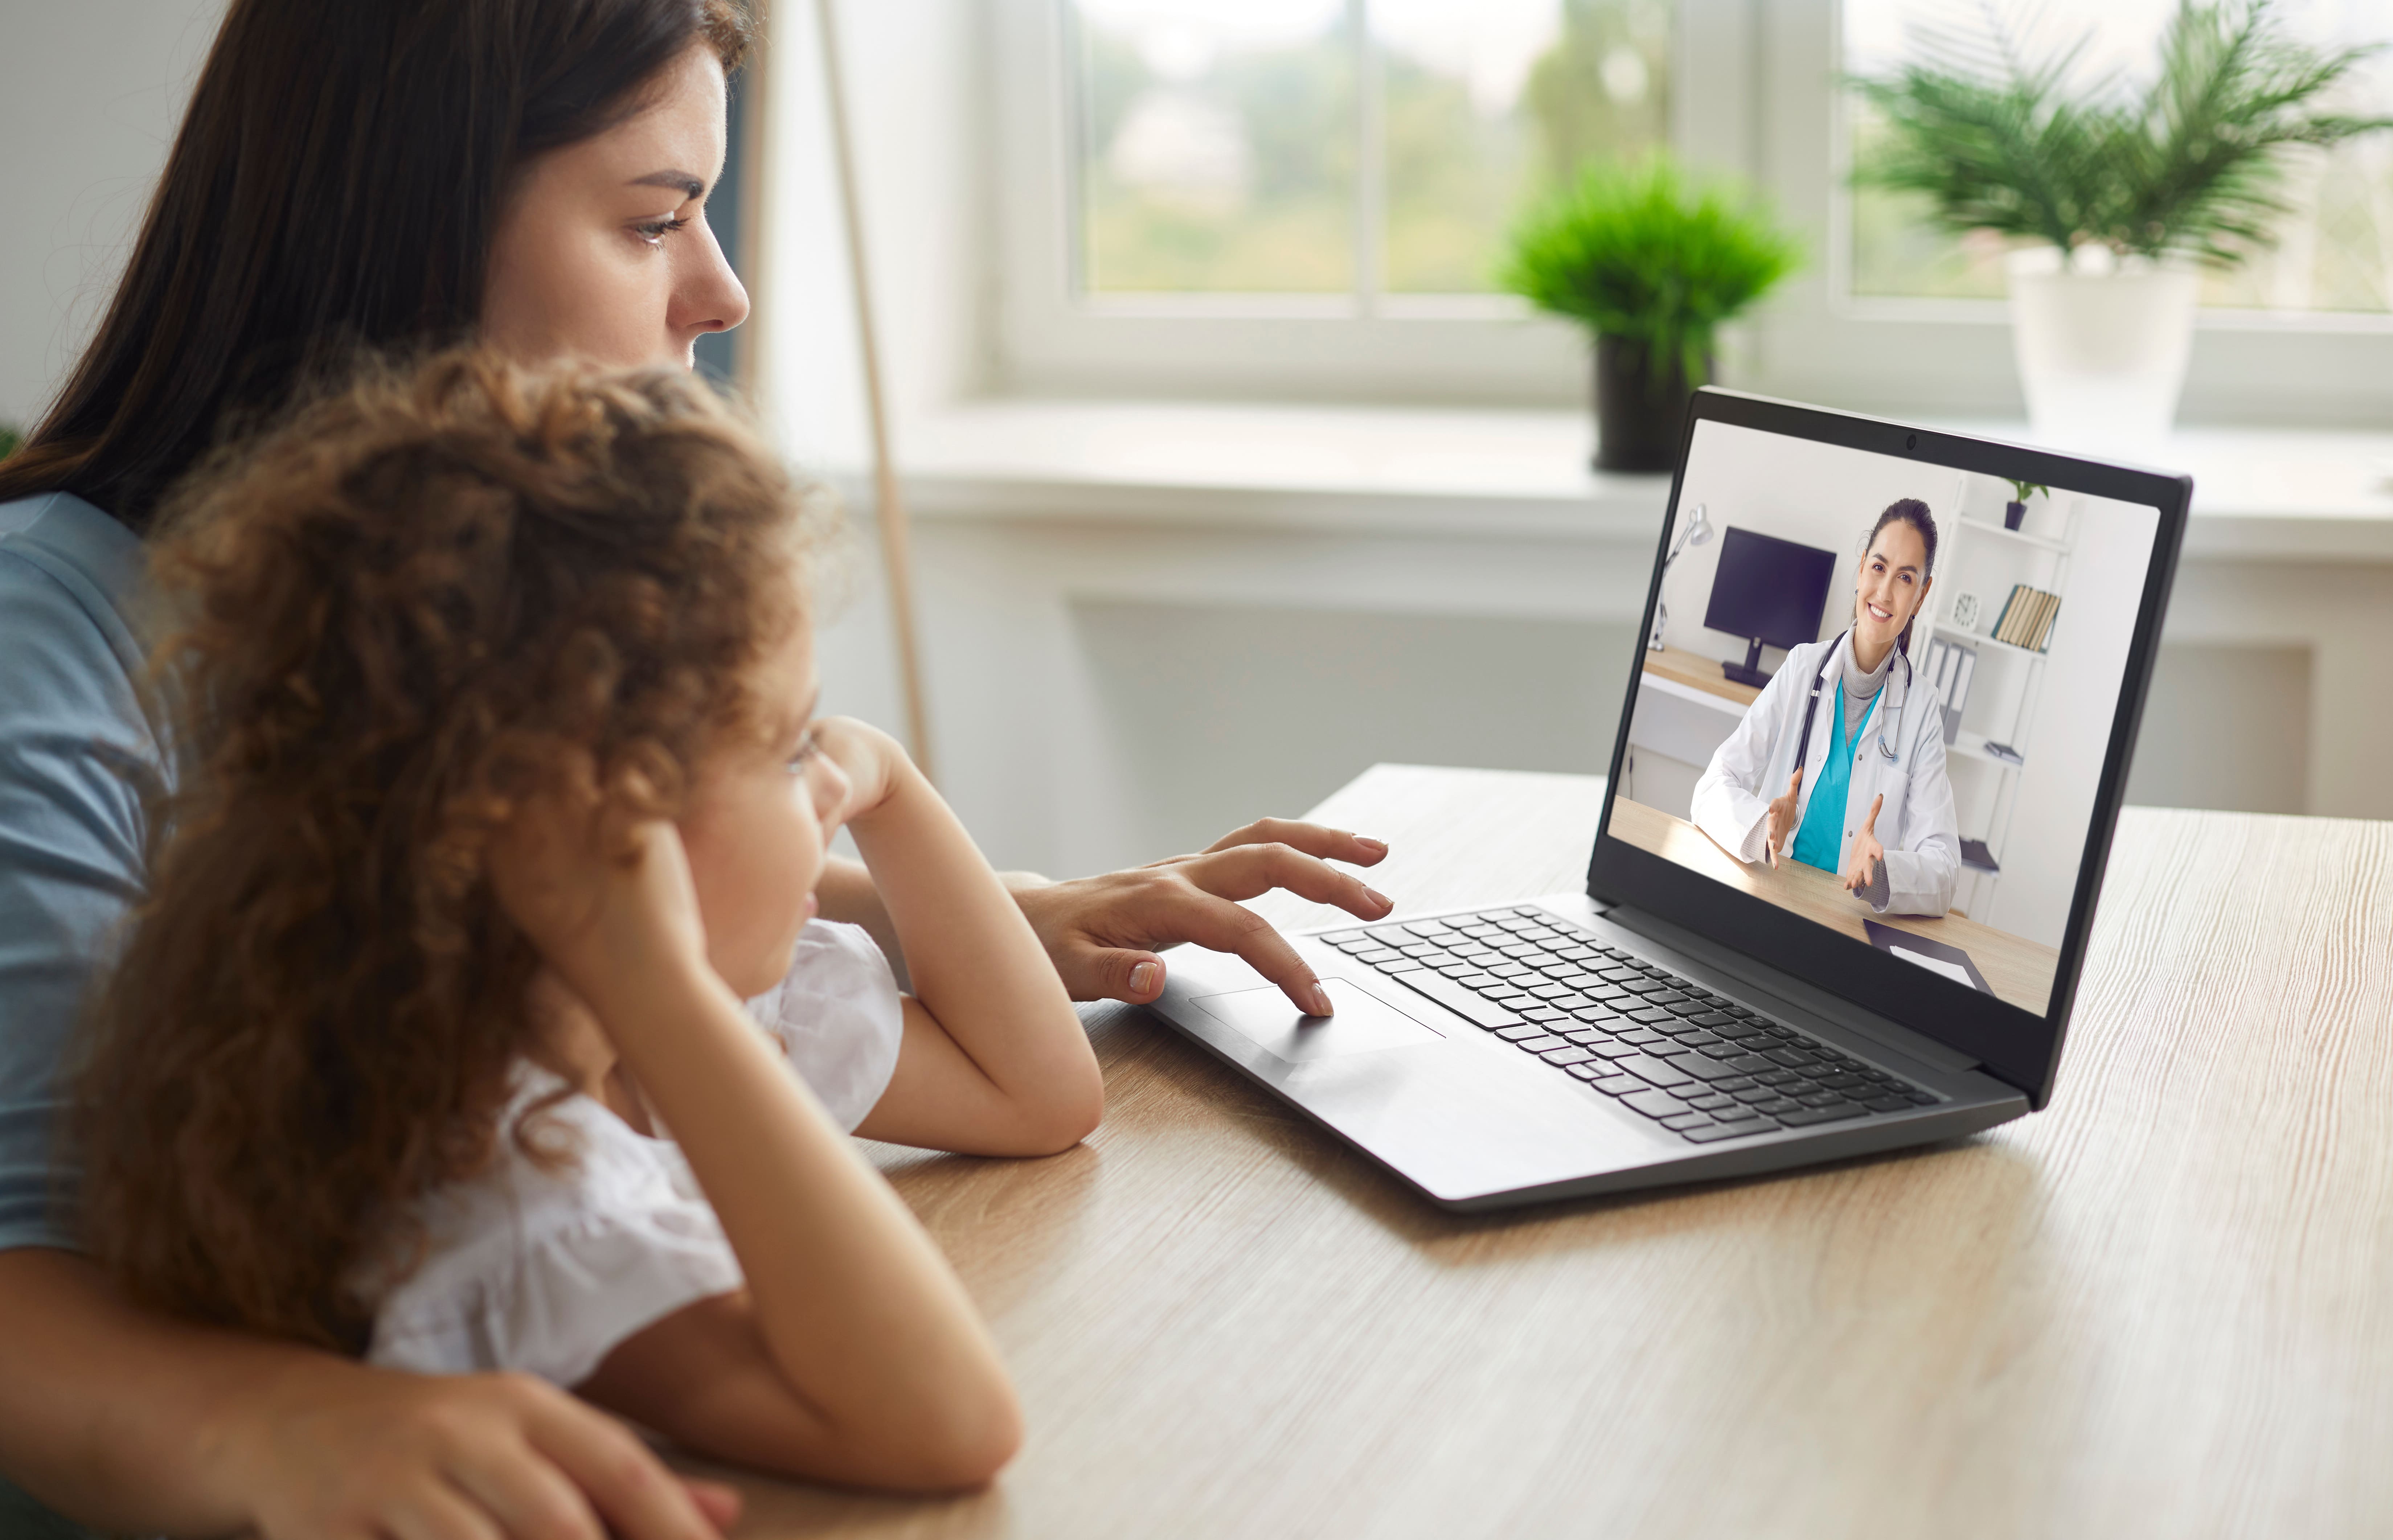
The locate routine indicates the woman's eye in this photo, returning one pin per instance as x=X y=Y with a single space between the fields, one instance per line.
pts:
x=807 y=748
x=654 y=231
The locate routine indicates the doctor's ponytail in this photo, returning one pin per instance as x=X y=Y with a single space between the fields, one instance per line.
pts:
x=1911 y=511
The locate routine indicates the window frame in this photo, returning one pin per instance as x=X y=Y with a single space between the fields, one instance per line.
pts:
x=1753 y=94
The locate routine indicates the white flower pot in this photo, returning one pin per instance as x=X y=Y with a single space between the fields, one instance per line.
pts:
x=2101 y=347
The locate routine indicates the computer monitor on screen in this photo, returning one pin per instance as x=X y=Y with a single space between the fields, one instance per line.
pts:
x=1770 y=592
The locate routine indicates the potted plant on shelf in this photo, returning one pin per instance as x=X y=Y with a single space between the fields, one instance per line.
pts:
x=2015 y=511
x=2115 y=196
x=1652 y=264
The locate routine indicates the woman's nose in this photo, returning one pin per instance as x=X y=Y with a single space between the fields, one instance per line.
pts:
x=711 y=298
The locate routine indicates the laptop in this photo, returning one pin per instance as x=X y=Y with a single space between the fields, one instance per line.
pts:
x=1694 y=1015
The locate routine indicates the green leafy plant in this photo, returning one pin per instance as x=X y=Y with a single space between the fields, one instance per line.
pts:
x=1639 y=251
x=11 y=437
x=2022 y=491
x=2189 y=166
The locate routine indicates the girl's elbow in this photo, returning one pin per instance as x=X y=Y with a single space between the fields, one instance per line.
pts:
x=963 y=1449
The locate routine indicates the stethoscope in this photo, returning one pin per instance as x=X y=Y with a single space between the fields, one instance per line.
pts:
x=1803 y=744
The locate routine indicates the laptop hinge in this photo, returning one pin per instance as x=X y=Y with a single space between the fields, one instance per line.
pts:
x=1817 y=1002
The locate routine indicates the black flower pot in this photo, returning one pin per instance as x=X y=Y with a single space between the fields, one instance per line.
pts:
x=1640 y=411
x=2014 y=514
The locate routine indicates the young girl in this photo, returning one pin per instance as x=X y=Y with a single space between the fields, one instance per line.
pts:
x=502 y=790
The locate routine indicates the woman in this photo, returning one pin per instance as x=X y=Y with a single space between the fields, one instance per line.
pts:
x=392 y=173
x=1857 y=743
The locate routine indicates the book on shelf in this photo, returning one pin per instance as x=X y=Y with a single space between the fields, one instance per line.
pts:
x=2027 y=618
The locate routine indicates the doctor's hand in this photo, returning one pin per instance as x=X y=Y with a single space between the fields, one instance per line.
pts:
x=1782 y=815
x=1867 y=854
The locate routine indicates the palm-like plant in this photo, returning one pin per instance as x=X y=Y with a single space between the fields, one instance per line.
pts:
x=2189 y=166
x=1635 y=251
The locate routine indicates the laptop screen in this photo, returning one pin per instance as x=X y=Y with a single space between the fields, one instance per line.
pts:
x=1879 y=694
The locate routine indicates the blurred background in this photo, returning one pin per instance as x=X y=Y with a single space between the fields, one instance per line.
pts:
x=1233 y=466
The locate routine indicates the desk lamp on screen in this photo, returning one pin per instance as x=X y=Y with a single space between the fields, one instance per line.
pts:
x=1770 y=592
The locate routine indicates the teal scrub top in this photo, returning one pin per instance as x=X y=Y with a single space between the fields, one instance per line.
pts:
x=1820 y=840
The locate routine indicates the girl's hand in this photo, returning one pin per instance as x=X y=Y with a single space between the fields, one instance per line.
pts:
x=873 y=760
x=603 y=894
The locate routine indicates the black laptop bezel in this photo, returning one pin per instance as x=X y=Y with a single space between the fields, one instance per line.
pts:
x=2013 y=1044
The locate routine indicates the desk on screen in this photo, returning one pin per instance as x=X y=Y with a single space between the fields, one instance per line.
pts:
x=2019 y=971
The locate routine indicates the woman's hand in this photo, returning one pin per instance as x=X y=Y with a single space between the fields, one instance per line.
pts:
x=1783 y=817
x=604 y=894
x=1103 y=932
x=1860 y=870
x=348 y=1451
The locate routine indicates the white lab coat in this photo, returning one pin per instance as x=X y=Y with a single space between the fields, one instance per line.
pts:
x=1917 y=826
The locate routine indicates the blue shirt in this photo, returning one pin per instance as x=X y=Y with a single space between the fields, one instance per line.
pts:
x=1820 y=839
x=77 y=754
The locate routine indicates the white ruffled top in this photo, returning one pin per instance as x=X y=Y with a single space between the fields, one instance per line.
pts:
x=546 y=1272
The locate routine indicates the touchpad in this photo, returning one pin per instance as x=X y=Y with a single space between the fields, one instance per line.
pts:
x=1364 y=1024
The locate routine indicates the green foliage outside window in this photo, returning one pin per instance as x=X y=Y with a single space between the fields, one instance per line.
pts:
x=2190 y=165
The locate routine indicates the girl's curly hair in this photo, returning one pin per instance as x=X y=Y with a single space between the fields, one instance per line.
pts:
x=395 y=616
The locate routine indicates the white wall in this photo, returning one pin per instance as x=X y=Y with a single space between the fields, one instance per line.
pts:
x=1814 y=495
x=91 y=92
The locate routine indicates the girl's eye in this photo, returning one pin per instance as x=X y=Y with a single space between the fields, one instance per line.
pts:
x=654 y=231
x=807 y=748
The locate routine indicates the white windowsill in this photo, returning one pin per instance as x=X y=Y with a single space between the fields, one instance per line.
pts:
x=2266 y=494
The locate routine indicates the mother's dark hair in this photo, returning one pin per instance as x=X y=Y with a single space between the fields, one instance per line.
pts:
x=335 y=184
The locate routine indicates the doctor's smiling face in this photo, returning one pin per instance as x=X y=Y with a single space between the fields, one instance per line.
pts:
x=1892 y=585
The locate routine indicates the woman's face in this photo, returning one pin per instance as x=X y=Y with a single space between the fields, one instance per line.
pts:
x=1893 y=580
x=603 y=252
x=759 y=824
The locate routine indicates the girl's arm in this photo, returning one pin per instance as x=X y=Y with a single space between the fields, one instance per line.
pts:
x=994 y=1059
x=854 y=1354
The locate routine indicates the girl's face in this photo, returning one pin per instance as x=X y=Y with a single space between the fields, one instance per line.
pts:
x=759 y=825
x=1892 y=582
x=603 y=252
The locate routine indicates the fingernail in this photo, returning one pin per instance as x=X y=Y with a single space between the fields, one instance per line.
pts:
x=1381 y=899
x=1142 y=978
x=1378 y=847
x=1321 y=1006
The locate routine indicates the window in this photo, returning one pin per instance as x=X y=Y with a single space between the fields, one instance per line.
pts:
x=2334 y=252
x=1306 y=198
x=1365 y=148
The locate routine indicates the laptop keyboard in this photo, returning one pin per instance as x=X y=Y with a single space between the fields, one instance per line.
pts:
x=1702 y=1066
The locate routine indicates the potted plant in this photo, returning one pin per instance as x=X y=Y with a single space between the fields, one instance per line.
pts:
x=2015 y=511
x=1652 y=264
x=2115 y=195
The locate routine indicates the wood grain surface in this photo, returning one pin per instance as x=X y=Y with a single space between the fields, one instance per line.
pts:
x=2162 y=1307
x=1699 y=673
x=2017 y=969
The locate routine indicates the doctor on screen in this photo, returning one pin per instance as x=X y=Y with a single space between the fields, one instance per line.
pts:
x=1863 y=794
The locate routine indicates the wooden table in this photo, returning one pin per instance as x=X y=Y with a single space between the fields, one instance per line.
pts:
x=2015 y=968
x=1693 y=669
x=2162 y=1307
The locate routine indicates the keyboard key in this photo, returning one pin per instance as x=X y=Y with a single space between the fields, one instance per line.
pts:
x=1515 y=1034
x=1654 y=1103
x=1821 y=1098
x=1696 y=1068
x=1611 y=1084
x=1565 y=1057
x=1428 y=929
x=1735 y=1082
x=1646 y=1068
x=1714 y=1102
x=1615 y=1049
x=1461 y=1001
x=1778 y=1106
x=1844 y=1082
x=1920 y=1098
x=1538 y=1044
x=1720 y=1051
x=1888 y=1104
x=1756 y=1066
x=1753 y=1094
x=1688 y=1121
x=1803 y=1118
x=1737 y=1130
x=1714 y=1019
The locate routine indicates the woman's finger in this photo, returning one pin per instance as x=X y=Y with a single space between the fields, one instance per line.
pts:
x=1247 y=871
x=1316 y=840
x=434 y=1510
x=621 y=1477
x=525 y=1494
x=1219 y=925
